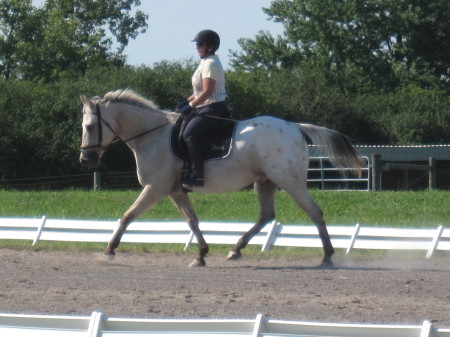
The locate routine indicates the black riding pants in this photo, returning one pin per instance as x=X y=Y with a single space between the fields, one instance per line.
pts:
x=200 y=124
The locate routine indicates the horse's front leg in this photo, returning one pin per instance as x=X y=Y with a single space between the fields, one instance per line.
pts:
x=186 y=208
x=146 y=199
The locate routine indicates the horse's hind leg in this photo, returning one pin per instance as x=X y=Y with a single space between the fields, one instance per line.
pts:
x=266 y=195
x=184 y=204
x=304 y=200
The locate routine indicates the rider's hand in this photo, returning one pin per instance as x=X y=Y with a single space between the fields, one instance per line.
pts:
x=181 y=105
x=185 y=110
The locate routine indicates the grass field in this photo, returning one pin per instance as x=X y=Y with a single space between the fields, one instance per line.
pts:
x=385 y=209
x=394 y=209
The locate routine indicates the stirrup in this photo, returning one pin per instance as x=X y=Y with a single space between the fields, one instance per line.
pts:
x=196 y=179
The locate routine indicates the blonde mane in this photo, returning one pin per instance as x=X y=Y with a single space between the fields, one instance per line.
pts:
x=128 y=96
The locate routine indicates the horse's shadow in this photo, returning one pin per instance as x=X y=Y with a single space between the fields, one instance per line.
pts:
x=338 y=267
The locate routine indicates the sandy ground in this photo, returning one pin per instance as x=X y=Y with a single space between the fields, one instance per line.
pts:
x=388 y=290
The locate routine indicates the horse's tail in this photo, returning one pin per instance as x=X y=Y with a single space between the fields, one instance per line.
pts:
x=341 y=151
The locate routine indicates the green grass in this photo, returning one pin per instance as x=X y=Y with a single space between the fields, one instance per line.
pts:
x=397 y=209
x=424 y=209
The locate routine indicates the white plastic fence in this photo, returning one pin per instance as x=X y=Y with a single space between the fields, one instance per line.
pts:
x=98 y=325
x=274 y=234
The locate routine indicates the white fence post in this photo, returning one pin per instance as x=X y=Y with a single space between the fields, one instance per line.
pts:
x=39 y=230
x=353 y=239
x=189 y=241
x=95 y=324
x=426 y=329
x=273 y=230
x=259 y=322
x=435 y=241
x=115 y=229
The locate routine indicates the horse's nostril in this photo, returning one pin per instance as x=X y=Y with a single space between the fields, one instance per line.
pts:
x=83 y=158
x=89 y=159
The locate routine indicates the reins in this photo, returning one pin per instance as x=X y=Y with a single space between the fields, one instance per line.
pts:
x=222 y=118
x=100 y=131
x=141 y=134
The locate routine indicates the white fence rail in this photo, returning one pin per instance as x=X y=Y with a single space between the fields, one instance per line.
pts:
x=98 y=325
x=274 y=234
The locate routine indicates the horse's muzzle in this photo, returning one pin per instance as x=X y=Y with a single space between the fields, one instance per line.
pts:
x=89 y=158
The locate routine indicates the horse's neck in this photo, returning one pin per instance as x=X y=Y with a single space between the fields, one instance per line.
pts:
x=132 y=121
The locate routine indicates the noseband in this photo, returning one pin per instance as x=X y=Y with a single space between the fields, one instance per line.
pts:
x=100 y=130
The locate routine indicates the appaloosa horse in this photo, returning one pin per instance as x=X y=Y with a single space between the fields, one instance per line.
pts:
x=266 y=150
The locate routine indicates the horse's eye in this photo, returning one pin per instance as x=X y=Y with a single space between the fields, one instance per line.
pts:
x=89 y=128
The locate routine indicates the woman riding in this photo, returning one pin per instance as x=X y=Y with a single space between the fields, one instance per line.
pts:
x=208 y=99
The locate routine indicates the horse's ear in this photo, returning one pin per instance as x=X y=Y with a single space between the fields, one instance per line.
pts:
x=84 y=99
x=87 y=101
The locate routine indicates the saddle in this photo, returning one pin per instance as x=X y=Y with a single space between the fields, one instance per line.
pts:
x=216 y=145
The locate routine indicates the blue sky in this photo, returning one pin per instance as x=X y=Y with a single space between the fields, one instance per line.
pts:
x=172 y=24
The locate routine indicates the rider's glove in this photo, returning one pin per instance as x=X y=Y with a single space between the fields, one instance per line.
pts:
x=185 y=110
x=181 y=105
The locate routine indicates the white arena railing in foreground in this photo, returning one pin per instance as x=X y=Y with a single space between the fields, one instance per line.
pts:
x=274 y=234
x=98 y=325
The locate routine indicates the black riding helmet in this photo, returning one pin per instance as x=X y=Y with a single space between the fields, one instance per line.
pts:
x=210 y=37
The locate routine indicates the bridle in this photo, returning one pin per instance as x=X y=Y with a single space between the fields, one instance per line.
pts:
x=99 y=129
x=100 y=132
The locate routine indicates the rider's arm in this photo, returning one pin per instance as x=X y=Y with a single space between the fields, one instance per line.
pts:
x=208 y=88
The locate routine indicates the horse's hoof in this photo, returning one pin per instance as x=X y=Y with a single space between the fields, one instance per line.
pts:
x=326 y=264
x=198 y=263
x=232 y=255
x=109 y=255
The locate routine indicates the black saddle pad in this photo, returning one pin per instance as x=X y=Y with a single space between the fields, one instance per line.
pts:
x=216 y=145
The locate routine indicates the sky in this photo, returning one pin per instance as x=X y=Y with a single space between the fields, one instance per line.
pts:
x=172 y=25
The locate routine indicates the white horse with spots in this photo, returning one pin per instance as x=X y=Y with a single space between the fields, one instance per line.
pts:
x=266 y=150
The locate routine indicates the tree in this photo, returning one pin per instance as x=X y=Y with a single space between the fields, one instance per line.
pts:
x=64 y=37
x=358 y=44
x=168 y=82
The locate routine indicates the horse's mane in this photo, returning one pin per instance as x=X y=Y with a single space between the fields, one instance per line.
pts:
x=128 y=96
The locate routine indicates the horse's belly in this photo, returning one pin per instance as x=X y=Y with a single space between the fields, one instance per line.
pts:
x=230 y=174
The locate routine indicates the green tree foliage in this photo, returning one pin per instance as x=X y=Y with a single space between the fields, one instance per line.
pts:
x=408 y=115
x=167 y=82
x=358 y=66
x=376 y=70
x=358 y=44
x=40 y=128
x=63 y=38
x=299 y=95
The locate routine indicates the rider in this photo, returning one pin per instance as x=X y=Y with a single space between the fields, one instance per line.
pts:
x=208 y=99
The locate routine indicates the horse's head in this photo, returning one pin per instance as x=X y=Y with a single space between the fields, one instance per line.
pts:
x=95 y=136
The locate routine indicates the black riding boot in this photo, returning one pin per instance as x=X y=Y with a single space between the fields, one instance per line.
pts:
x=196 y=178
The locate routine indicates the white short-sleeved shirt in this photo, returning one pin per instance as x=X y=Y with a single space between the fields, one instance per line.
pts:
x=210 y=67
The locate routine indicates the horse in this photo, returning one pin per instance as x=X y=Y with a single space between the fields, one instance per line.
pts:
x=269 y=152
